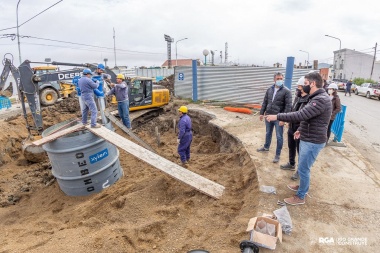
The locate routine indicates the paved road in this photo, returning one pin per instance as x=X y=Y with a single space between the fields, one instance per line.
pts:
x=362 y=127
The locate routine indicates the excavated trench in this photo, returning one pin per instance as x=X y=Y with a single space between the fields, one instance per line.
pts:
x=146 y=210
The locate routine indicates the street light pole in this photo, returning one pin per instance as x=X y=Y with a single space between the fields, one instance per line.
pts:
x=340 y=45
x=18 y=35
x=307 y=58
x=176 y=63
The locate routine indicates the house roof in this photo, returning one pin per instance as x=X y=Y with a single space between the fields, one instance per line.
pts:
x=179 y=62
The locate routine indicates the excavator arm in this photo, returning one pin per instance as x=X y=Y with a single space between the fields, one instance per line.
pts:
x=26 y=89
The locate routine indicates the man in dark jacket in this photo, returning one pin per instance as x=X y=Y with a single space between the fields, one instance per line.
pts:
x=277 y=99
x=301 y=99
x=348 y=88
x=314 y=118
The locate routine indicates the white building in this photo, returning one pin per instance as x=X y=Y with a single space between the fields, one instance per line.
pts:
x=349 y=64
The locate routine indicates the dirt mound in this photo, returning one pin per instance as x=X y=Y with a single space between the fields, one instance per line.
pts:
x=168 y=82
x=145 y=211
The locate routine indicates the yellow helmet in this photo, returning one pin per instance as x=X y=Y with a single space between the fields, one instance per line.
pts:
x=120 y=76
x=183 y=109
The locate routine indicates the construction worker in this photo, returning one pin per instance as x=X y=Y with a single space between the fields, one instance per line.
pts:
x=87 y=87
x=185 y=135
x=100 y=72
x=120 y=90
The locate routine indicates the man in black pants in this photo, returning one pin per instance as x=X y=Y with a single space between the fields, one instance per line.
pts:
x=301 y=99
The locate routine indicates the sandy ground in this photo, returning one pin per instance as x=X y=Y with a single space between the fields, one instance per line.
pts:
x=147 y=211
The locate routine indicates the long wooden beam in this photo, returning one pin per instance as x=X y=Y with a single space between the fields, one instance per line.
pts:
x=56 y=135
x=196 y=181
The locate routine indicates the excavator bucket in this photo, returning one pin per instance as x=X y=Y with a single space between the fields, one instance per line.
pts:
x=32 y=152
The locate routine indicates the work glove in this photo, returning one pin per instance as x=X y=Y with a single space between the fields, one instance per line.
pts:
x=178 y=140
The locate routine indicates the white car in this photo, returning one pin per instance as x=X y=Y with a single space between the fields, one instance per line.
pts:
x=367 y=89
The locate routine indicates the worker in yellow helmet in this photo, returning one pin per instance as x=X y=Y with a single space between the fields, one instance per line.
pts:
x=120 y=90
x=185 y=135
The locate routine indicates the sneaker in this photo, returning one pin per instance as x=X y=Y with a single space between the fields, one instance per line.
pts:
x=287 y=166
x=85 y=124
x=96 y=126
x=262 y=149
x=294 y=176
x=184 y=164
x=293 y=187
x=295 y=200
x=276 y=159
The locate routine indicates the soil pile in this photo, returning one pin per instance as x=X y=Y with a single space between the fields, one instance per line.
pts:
x=145 y=211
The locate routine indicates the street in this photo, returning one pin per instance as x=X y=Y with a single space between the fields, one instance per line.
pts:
x=362 y=126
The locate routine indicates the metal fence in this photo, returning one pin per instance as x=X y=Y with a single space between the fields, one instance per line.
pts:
x=148 y=72
x=229 y=83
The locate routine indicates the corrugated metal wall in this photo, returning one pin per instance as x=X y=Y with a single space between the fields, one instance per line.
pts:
x=154 y=72
x=147 y=72
x=230 y=84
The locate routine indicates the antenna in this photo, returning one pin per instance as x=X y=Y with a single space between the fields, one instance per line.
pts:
x=226 y=53
x=114 y=45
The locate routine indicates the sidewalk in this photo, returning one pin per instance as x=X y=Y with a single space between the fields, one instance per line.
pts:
x=344 y=205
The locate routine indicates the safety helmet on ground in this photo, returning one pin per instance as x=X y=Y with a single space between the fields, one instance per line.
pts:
x=301 y=81
x=183 y=109
x=101 y=66
x=120 y=76
x=87 y=71
x=333 y=86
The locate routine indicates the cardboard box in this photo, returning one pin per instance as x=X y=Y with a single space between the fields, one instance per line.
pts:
x=264 y=240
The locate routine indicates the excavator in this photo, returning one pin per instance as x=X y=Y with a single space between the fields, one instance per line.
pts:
x=142 y=96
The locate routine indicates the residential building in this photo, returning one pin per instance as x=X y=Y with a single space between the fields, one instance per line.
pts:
x=349 y=64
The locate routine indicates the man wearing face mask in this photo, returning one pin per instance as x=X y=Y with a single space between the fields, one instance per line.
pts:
x=336 y=107
x=301 y=99
x=312 y=132
x=278 y=99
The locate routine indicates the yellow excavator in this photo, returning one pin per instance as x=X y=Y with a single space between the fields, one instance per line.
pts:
x=143 y=95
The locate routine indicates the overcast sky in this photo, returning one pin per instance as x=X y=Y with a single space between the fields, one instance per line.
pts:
x=257 y=32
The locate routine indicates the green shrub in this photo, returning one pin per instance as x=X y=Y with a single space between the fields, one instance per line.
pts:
x=359 y=81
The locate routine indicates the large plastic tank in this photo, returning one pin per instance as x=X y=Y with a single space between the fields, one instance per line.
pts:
x=82 y=162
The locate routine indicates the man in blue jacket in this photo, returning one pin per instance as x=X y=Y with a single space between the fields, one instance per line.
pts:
x=314 y=118
x=120 y=90
x=277 y=99
x=185 y=135
x=87 y=87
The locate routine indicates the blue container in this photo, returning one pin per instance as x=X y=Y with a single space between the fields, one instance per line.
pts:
x=5 y=102
x=82 y=162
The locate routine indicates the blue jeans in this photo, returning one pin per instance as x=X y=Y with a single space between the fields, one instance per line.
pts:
x=123 y=108
x=268 y=136
x=307 y=156
x=89 y=105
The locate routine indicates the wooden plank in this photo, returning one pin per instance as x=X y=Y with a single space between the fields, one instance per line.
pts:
x=196 y=181
x=56 y=135
x=128 y=131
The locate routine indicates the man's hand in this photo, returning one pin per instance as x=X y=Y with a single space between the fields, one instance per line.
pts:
x=281 y=123
x=112 y=85
x=261 y=117
x=297 y=135
x=270 y=118
x=178 y=141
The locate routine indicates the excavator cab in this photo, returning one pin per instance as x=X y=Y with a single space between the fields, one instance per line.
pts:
x=140 y=92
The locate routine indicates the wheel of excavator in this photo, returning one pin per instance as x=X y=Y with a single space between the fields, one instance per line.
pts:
x=48 y=96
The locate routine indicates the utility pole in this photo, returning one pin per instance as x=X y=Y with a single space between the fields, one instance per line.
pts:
x=373 y=62
x=114 y=45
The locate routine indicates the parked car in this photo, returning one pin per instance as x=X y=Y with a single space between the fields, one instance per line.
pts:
x=341 y=83
x=368 y=89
